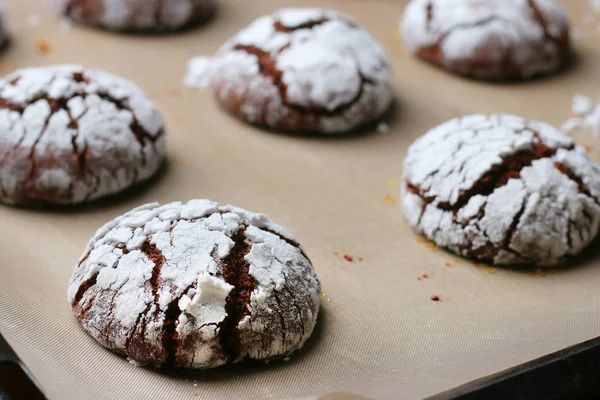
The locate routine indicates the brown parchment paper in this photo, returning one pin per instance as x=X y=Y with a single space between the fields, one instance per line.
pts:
x=380 y=335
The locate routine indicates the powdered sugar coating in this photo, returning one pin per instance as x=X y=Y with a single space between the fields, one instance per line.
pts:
x=135 y=15
x=69 y=135
x=502 y=189
x=487 y=38
x=156 y=285
x=303 y=69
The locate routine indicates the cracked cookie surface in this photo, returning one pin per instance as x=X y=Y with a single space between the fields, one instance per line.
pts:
x=489 y=39
x=69 y=135
x=303 y=70
x=195 y=285
x=502 y=189
x=136 y=15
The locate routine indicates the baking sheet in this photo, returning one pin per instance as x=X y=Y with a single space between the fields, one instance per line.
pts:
x=380 y=334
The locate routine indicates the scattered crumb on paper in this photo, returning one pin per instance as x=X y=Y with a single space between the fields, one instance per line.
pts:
x=198 y=72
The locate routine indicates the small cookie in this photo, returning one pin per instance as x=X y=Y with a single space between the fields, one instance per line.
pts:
x=69 y=135
x=195 y=285
x=136 y=15
x=502 y=189
x=303 y=70
x=489 y=39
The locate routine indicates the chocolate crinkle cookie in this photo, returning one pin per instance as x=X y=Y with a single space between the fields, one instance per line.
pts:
x=136 y=15
x=489 y=39
x=501 y=189
x=303 y=70
x=195 y=285
x=69 y=135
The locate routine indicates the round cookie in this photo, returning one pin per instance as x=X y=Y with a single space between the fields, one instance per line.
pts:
x=501 y=189
x=136 y=15
x=303 y=70
x=489 y=39
x=69 y=135
x=195 y=285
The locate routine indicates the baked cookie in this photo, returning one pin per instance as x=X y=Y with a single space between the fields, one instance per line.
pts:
x=195 y=285
x=68 y=135
x=303 y=70
x=501 y=189
x=136 y=15
x=489 y=39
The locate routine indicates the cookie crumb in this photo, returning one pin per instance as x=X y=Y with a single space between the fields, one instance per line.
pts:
x=582 y=104
x=435 y=298
x=33 y=20
x=383 y=127
x=594 y=5
x=587 y=116
x=198 y=72
x=43 y=47
x=66 y=25
x=135 y=363
x=448 y=265
x=323 y=294
x=571 y=125
x=389 y=200
x=577 y=34
x=490 y=270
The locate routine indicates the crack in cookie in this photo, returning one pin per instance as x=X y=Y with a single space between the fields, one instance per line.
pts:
x=236 y=273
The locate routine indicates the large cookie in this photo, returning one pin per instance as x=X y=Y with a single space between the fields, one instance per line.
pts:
x=489 y=39
x=502 y=189
x=136 y=15
x=69 y=134
x=303 y=70
x=195 y=285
